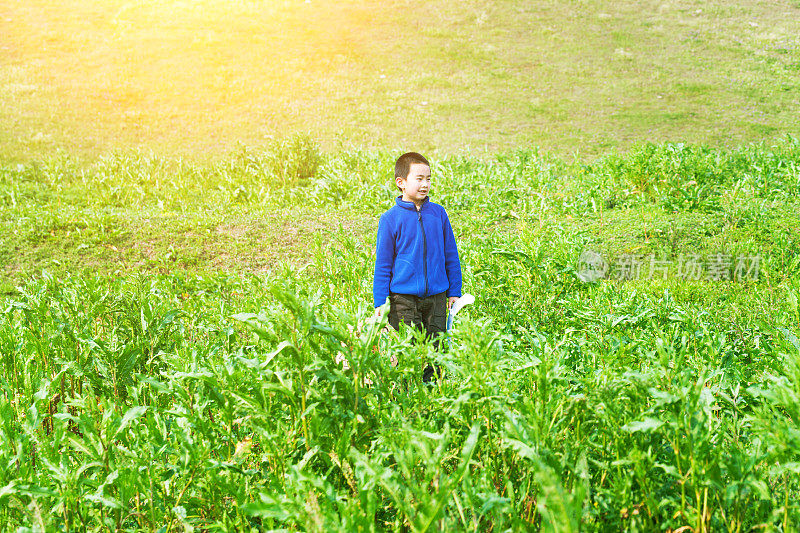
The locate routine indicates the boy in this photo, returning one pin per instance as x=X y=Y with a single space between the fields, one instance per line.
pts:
x=416 y=260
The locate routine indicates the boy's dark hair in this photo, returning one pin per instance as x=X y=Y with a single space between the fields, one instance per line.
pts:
x=403 y=165
x=404 y=162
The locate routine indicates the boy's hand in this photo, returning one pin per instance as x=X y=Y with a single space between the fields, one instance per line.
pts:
x=451 y=300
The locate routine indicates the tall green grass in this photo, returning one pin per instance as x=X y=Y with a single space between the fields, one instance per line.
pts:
x=189 y=399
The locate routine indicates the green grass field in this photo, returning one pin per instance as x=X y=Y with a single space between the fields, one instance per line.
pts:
x=171 y=331
x=189 y=195
x=198 y=78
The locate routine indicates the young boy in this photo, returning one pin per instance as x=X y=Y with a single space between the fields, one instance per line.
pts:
x=416 y=260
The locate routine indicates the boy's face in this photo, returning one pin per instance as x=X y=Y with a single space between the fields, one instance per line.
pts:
x=417 y=184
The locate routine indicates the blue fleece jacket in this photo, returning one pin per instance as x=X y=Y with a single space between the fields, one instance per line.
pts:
x=415 y=253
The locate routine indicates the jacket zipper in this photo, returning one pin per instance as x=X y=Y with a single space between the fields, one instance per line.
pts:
x=424 y=252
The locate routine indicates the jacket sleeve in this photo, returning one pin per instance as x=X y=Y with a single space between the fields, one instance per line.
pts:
x=452 y=265
x=384 y=259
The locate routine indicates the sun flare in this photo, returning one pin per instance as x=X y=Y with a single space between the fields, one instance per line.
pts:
x=160 y=65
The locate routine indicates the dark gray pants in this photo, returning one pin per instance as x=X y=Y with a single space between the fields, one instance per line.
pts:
x=426 y=314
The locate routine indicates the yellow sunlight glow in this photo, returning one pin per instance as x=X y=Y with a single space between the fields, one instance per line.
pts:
x=151 y=67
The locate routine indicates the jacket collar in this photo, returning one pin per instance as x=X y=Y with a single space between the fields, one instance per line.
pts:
x=410 y=205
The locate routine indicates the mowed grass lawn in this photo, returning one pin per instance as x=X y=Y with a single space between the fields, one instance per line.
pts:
x=196 y=78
